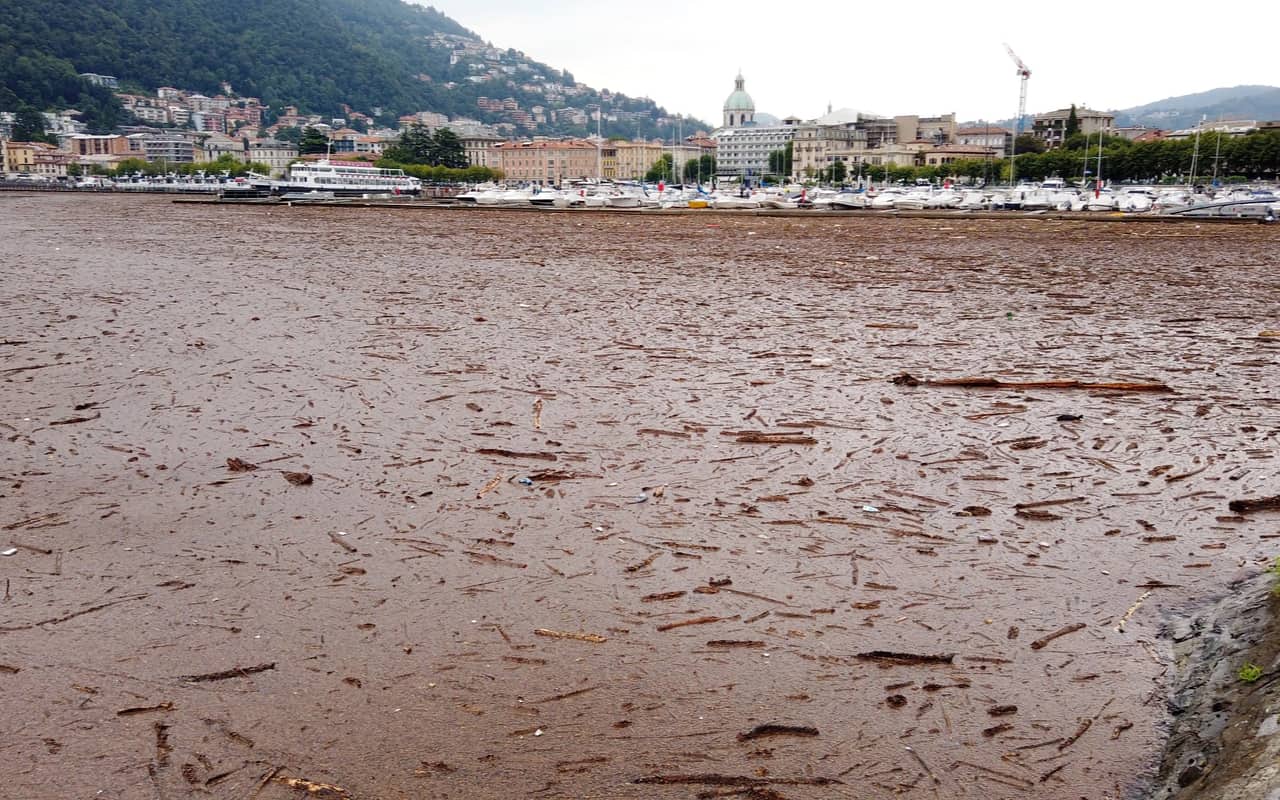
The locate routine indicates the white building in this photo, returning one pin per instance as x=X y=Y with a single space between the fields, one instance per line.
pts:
x=742 y=146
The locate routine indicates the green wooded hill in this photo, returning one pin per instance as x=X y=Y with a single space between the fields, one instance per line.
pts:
x=315 y=54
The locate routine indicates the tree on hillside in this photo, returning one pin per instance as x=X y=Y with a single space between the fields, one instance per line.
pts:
x=28 y=126
x=1073 y=123
x=312 y=141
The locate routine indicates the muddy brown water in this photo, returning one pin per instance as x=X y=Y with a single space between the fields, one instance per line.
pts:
x=377 y=629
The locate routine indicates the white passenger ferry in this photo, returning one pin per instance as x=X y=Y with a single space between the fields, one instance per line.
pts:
x=346 y=179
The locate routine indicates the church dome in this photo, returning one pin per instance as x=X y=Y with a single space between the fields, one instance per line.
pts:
x=739 y=100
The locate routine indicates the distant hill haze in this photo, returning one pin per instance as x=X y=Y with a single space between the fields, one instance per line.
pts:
x=1174 y=113
x=1235 y=102
x=376 y=56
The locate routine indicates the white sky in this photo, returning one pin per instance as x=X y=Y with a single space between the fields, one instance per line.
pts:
x=888 y=57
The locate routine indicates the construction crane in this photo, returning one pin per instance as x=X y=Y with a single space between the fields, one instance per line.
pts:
x=1024 y=72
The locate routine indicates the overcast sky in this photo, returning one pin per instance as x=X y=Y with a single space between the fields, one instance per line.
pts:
x=888 y=58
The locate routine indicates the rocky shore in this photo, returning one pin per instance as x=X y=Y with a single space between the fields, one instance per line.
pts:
x=1223 y=743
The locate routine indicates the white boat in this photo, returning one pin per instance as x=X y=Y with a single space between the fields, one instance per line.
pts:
x=947 y=198
x=1035 y=200
x=844 y=201
x=733 y=201
x=973 y=200
x=914 y=200
x=346 y=179
x=888 y=198
x=622 y=201
x=1014 y=197
x=1134 y=200
x=778 y=201
x=1101 y=200
x=1063 y=200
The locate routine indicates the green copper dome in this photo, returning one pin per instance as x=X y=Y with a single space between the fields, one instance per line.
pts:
x=739 y=100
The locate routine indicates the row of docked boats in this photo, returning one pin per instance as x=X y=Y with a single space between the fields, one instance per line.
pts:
x=327 y=180
x=1048 y=196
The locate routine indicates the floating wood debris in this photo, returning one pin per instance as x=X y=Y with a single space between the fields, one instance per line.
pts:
x=322 y=791
x=495 y=451
x=1044 y=640
x=907 y=379
x=889 y=657
x=581 y=637
x=774 y=729
x=226 y=674
x=695 y=621
x=753 y=437
x=1260 y=504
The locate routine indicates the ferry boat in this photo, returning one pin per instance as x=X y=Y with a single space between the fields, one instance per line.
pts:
x=346 y=180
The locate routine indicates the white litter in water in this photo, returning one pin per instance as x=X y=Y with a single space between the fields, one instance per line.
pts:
x=9 y=551
x=820 y=362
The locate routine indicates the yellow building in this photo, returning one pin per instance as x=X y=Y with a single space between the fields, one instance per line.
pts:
x=20 y=157
x=550 y=163
x=634 y=159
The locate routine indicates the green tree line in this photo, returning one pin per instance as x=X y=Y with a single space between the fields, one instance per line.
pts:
x=1254 y=156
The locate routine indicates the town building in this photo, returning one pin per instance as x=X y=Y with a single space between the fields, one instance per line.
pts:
x=938 y=130
x=547 y=162
x=1051 y=127
x=275 y=154
x=984 y=136
x=209 y=121
x=818 y=144
x=744 y=152
x=84 y=144
x=635 y=158
x=951 y=153
x=169 y=149
x=217 y=146
x=108 y=81
x=19 y=157
x=35 y=158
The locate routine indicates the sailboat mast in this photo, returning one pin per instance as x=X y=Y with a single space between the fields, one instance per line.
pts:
x=1097 y=189
x=1195 y=153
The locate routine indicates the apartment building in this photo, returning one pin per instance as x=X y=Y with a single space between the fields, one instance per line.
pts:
x=744 y=152
x=1052 y=127
x=984 y=136
x=633 y=159
x=547 y=162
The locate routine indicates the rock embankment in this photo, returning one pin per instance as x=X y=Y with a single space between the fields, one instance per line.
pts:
x=1223 y=743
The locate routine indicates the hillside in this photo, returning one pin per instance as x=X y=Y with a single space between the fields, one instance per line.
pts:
x=382 y=57
x=1235 y=102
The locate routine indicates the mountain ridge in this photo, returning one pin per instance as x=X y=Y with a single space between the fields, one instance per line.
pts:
x=1255 y=102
